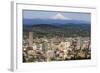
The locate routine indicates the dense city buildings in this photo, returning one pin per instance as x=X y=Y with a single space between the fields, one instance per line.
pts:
x=55 y=49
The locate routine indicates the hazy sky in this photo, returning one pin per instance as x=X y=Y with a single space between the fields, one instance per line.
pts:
x=31 y=14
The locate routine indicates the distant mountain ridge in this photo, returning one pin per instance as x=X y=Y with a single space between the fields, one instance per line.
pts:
x=55 y=27
x=68 y=30
x=52 y=21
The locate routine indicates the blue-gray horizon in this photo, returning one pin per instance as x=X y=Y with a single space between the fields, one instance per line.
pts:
x=54 y=15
